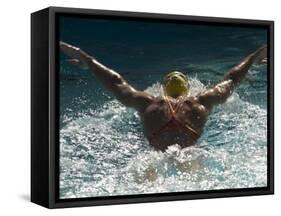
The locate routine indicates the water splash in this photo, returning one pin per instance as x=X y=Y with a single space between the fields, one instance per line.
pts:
x=103 y=152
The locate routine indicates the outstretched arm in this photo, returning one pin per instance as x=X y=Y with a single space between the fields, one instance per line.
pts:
x=110 y=79
x=219 y=93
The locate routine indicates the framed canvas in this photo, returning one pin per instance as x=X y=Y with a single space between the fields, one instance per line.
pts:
x=139 y=107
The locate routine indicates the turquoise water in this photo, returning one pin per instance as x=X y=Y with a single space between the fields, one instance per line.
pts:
x=102 y=148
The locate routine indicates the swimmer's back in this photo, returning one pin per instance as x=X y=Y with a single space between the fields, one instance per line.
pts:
x=189 y=112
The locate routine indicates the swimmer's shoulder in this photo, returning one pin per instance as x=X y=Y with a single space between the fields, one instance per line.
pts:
x=190 y=100
x=186 y=99
x=195 y=105
x=159 y=100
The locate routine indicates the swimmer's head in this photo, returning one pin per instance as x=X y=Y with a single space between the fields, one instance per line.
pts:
x=175 y=84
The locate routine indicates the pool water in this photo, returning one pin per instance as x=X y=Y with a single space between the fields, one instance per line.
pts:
x=103 y=151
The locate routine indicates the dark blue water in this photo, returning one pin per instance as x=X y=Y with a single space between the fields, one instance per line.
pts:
x=103 y=151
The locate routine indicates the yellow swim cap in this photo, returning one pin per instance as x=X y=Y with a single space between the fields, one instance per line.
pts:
x=175 y=84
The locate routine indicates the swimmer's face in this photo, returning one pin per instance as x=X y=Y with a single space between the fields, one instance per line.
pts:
x=175 y=84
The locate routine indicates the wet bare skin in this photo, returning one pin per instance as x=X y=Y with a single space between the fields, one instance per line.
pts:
x=191 y=113
x=154 y=111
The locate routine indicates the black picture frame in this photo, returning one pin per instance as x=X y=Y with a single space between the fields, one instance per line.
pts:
x=44 y=109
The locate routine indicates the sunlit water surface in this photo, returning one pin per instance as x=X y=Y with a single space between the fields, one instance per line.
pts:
x=102 y=148
x=103 y=152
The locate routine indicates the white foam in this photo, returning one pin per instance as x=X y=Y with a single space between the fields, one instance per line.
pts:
x=103 y=152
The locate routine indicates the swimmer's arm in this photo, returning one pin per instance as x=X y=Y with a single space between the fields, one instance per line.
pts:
x=225 y=88
x=110 y=79
x=216 y=95
x=238 y=73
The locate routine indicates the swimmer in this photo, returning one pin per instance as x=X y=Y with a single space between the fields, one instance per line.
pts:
x=176 y=117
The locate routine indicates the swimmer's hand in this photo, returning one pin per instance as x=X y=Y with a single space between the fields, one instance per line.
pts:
x=78 y=56
x=261 y=55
